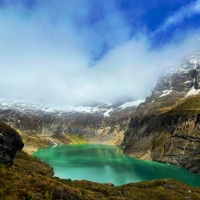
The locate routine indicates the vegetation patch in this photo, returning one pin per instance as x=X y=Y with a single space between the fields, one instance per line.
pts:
x=78 y=139
x=33 y=142
x=190 y=105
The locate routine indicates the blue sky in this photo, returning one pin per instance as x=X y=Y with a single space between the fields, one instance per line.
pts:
x=60 y=52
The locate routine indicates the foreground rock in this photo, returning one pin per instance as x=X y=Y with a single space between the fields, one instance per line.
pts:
x=10 y=144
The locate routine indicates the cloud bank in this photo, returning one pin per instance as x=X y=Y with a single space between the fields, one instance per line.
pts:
x=77 y=52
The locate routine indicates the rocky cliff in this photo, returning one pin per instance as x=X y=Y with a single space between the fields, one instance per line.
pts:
x=166 y=127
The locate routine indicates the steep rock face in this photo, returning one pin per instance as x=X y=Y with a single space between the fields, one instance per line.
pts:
x=173 y=139
x=166 y=127
x=10 y=144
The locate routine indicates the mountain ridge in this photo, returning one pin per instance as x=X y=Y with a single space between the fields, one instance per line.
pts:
x=165 y=127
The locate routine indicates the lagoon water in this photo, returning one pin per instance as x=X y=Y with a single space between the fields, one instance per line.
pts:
x=103 y=163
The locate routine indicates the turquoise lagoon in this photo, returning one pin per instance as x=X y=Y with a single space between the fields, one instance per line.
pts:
x=103 y=163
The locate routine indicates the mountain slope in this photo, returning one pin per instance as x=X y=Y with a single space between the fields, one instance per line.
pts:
x=166 y=127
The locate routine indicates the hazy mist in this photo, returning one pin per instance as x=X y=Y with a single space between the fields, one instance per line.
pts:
x=53 y=54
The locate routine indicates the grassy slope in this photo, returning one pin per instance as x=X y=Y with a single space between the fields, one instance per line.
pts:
x=29 y=178
x=4 y=128
x=191 y=104
x=33 y=142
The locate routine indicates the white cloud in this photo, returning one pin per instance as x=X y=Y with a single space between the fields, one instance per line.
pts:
x=183 y=13
x=45 y=57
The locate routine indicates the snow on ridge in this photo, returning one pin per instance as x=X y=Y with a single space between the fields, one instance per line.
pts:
x=193 y=92
x=34 y=107
x=22 y=106
x=86 y=109
x=106 y=114
x=188 y=82
x=195 y=61
x=166 y=92
x=131 y=104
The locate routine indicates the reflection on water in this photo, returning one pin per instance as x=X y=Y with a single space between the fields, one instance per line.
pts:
x=103 y=163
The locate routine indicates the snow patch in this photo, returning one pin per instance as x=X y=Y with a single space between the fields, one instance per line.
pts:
x=106 y=114
x=193 y=92
x=188 y=82
x=81 y=109
x=131 y=104
x=194 y=61
x=166 y=92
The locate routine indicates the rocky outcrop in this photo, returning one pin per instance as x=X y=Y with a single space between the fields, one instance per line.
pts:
x=166 y=126
x=173 y=139
x=10 y=144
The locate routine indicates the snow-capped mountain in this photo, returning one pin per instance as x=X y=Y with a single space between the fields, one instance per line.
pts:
x=184 y=79
x=104 y=109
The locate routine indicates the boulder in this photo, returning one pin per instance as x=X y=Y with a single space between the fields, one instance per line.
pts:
x=10 y=144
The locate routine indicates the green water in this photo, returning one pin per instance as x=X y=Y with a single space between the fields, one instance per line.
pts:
x=102 y=163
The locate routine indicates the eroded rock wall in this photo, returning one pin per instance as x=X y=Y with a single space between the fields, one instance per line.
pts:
x=166 y=127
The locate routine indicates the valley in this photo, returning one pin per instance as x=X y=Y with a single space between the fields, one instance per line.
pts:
x=163 y=128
